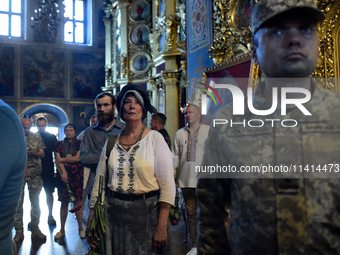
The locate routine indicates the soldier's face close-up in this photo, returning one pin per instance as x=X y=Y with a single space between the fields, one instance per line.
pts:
x=26 y=124
x=287 y=48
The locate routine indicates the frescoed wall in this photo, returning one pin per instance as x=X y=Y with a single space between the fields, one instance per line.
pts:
x=43 y=72
x=81 y=116
x=35 y=71
x=7 y=70
x=88 y=74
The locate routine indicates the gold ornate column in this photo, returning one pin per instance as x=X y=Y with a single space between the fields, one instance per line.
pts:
x=167 y=41
x=170 y=80
x=170 y=74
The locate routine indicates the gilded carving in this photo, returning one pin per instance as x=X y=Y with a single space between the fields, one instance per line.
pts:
x=171 y=34
x=124 y=61
x=231 y=38
x=170 y=76
x=228 y=63
x=181 y=26
x=160 y=28
x=167 y=26
x=108 y=76
x=328 y=60
x=182 y=82
x=173 y=28
x=158 y=81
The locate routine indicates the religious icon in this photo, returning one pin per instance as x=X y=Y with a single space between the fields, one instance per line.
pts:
x=139 y=10
x=242 y=13
x=139 y=35
x=140 y=62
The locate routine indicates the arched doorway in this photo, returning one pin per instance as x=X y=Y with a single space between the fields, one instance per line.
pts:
x=55 y=115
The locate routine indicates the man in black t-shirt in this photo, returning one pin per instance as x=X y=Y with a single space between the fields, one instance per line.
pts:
x=47 y=173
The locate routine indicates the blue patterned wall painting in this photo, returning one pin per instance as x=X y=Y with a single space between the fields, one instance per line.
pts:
x=199 y=27
x=198 y=22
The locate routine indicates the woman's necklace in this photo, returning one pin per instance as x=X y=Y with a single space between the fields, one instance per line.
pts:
x=129 y=145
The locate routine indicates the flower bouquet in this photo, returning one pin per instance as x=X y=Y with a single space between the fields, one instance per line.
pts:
x=174 y=214
x=97 y=229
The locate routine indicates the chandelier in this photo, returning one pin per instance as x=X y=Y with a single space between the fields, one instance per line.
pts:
x=46 y=21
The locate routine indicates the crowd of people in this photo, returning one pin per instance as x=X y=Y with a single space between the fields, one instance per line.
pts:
x=141 y=170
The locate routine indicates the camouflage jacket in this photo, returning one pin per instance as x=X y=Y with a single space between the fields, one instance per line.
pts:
x=34 y=142
x=291 y=213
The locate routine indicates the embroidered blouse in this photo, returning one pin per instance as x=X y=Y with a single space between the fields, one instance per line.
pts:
x=146 y=167
x=188 y=154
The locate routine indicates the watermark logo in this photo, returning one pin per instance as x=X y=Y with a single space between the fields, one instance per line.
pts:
x=239 y=98
x=281 y=98
x=208 y=92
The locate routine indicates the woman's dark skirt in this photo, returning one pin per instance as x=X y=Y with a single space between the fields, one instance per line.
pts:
x=130 y=227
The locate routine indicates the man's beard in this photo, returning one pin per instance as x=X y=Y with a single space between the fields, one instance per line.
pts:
x=105 y=118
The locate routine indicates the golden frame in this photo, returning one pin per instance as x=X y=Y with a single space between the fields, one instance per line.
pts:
x=139 y=35
x=229 y=41
x=329 y=36
x=138 y=15
x=245 y=15
x=140 y=58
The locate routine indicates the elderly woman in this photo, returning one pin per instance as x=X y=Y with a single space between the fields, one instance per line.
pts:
x=67 y=159
x=140 y=187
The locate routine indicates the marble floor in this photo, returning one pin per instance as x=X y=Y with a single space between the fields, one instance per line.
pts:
x=72 y=244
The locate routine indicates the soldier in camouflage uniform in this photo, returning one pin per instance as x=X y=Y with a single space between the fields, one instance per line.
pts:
x=276 y=213
x=35 y=151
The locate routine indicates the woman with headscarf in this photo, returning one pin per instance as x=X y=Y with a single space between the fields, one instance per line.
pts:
x=67 y=160
x=140 y=186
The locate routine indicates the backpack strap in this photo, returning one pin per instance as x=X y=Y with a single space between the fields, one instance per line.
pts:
x=110 y=144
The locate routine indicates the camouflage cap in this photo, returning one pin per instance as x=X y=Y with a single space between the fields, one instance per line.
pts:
x=267 y=9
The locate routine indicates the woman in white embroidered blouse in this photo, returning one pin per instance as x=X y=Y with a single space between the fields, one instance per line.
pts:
x=140 y=188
